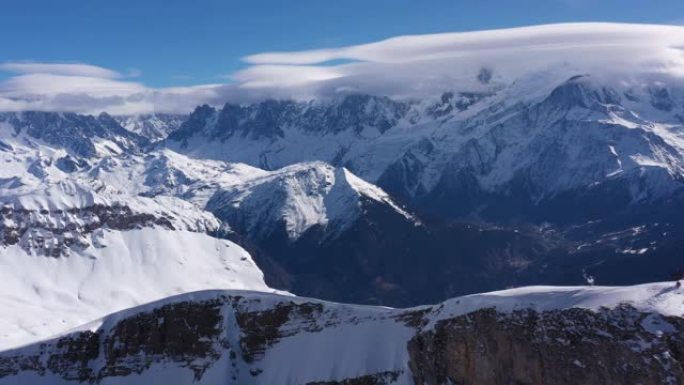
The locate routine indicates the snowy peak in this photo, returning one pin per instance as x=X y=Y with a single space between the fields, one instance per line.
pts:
x=369 y=191
x=82 y=135
x=580 y=92
x=298 y=197
x=153 y=127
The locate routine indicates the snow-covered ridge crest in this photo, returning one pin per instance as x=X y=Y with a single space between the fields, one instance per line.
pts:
x=66 y=216
x=250 y=199
x=659 y=297
x=240 y=337
x=85 y=136
x=300 y=196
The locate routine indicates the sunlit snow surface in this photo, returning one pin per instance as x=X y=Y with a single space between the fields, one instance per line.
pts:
x=43 y=295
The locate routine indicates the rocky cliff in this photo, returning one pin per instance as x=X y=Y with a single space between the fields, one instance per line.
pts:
x=631 y=335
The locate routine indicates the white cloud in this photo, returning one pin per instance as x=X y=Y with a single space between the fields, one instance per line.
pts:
x=275 y=75
x=425 y=63
x=550 y=38
x=49 y=84
x=402 y=67
x=69 y=69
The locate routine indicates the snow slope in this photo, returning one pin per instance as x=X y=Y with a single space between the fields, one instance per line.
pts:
x=43 y=295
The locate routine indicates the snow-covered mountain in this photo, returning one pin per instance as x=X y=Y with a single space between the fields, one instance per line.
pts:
x=82 y=135
x=107 y=224
x=471 y=151
x=298 y=198
x=292 y=181
x=556 y=335
x=74 y=247
x=556 y=160
x=549 y=174
x=154 y=127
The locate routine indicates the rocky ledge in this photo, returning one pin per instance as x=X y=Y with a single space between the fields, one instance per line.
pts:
x=53 y=232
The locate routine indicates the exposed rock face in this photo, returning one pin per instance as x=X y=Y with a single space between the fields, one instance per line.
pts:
x=74 y=132
x=250 y=338
x=54 y=232
x=573 y=346
x=262 y=329
x=270 y=118
x=185 y=334
x=383 y=378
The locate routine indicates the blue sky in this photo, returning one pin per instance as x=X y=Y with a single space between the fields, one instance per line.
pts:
x=169 y=42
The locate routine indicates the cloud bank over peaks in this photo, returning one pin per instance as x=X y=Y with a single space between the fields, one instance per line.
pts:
x=425 y=64
x=402 y=67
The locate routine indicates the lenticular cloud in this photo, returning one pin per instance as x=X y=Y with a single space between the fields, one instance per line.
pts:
x=428 y=63
x=405 y=66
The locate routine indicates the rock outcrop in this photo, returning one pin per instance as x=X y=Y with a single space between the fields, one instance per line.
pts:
x=522 y=337
x=571 y=346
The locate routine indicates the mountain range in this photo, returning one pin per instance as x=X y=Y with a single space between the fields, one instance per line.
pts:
x=552 y=178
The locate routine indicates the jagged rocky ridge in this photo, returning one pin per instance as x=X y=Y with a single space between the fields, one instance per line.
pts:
x=83 y=135
x=630 y=335
x=153 y=127
x=56 y=232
